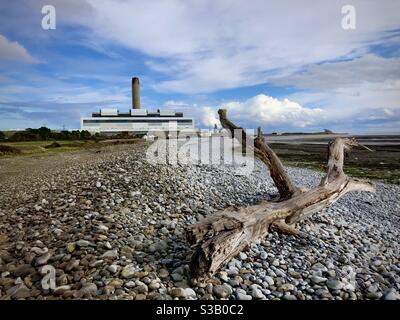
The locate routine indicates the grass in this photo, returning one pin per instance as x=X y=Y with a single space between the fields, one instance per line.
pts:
x=383 y=164
x=8 y=150
x=8 y=133
x=387 y=175
x=38 y=148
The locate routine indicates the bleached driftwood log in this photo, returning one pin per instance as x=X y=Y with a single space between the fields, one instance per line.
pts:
x=223 y=235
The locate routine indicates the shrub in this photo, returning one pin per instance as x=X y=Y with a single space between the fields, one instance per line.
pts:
x=84 y=135
x=53 y=145
x=24 y=136
x=4 y=150
x=44 y=133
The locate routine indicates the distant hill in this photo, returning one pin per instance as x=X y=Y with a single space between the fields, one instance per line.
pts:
x=326 y=131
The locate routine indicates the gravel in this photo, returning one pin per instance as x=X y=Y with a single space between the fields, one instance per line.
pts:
x=113 y=227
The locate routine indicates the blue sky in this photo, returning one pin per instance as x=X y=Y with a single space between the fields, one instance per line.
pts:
x=285 y=66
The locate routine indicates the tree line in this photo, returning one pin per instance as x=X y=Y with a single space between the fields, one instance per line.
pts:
x=44 y=133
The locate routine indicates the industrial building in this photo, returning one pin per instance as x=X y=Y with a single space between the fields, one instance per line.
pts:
x=136 y=120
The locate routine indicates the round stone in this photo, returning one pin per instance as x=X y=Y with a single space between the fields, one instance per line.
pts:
x=162 y=273
x=263 y=255
x=241 y=296
x=269 y=280
x=391 y=294
x=190 y=293
x=113 y=268
x=71 y=247
x=334 y=284
x=128 y=271
x=287 y=287
x=110 y=254
x=257 y=294
x=82 y=243
x=178 y=292
x=222 y=291
x=242 y=256
x=318 y=280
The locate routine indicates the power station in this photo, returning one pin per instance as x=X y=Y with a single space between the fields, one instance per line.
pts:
x=135 y=93
x=136 y=120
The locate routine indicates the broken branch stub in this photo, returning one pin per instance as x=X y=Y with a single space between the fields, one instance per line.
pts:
x=284 y=184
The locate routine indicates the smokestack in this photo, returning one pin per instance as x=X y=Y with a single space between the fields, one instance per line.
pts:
x=135 y=93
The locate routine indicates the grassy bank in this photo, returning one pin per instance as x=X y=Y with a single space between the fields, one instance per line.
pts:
x=382 y=164
x=38 y=148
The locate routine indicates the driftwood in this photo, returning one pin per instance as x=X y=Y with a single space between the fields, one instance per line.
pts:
x=221 y=236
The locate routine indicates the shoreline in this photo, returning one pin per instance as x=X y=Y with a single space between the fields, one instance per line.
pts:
x=113 y=226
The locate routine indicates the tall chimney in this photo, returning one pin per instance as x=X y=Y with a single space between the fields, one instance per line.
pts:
x=135 y=93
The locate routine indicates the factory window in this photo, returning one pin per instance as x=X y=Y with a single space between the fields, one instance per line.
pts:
x=189 y=122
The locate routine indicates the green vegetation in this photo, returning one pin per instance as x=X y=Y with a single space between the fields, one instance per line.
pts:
x=39 y=147
x=389 y=176
x=382 y=164
x=24 y=136
x=44 y=148
x=55 y=144
x=8 y=150
x=44 y=133
x=38 y=141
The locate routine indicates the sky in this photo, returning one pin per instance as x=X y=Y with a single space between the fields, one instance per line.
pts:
x=287 y=66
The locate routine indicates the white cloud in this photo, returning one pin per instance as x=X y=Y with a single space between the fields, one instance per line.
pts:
x=332 y=75
x=14 y=51
x=205 y=46
x=209 y=117
x=287 y=115
x=364 y=88
x=260 y=110
x=266 y=111
x=388 y=112
x=173 y=103
x=205 y=116
x=341 y=112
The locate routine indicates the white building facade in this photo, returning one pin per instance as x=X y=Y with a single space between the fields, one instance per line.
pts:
x=111 y=121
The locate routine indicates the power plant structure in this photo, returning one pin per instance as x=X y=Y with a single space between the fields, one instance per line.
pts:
x=135 y=93
x=136 y=120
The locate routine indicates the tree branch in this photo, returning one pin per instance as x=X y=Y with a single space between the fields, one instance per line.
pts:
x=284 y=184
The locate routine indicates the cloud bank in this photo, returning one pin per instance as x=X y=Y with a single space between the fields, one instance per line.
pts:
x=14 y=51
x=212 y=54
x=205 y=46
x=271 y=112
